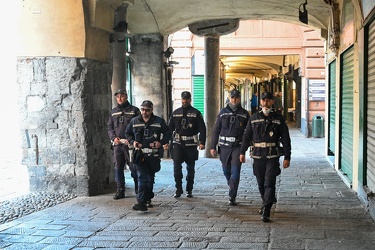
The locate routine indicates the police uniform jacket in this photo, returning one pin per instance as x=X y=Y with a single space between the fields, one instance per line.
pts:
x=229 y=127
x=155 y=129
x=187 y=122
x=119 y=118
x=264 y=134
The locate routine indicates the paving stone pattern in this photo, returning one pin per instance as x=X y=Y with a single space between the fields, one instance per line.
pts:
x=315 y=210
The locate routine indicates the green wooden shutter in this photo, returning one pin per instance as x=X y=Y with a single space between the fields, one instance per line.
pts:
x=346 y=121
x=332 y=108
x=198 y=93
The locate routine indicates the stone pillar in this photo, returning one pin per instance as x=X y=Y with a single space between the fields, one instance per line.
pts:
x=211 y=30
x=147 y=71
x=64 y=105
x=212 y=85
x=119 y=52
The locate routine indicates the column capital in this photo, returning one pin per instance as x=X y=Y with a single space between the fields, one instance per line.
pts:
x=214 y=27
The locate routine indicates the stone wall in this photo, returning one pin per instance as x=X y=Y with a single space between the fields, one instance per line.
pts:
x=64 y=105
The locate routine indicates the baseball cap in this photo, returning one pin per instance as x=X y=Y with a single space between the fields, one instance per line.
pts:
x=185 y=94
x=235 y=93
x=267 y=95
x=147 y=104
x=120 y=91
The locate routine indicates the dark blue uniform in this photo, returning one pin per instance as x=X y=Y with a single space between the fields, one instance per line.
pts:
x=155 y=129
x=264 y=135
x=227 y=133
x=186 y=124
x=119 y=118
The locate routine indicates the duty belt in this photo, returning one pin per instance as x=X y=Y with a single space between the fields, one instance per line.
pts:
x=228 y=139
x=185 y=138
x=264 y=144
x=150 y=150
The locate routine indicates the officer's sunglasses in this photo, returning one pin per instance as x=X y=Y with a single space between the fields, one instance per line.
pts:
x=145 y=110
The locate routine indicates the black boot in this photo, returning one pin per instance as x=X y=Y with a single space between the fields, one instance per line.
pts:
x=178 y=193
x=140 y=207
x=266 y=214
x=119 y=195
x=232 y=202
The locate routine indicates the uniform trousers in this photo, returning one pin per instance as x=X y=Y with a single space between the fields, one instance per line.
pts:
x=146 y=177
x=266 y=171
x=231 y=165
x=187 y=154
x=121 y=157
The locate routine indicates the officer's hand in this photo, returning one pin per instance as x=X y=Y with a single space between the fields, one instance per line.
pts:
x=137 y=145
x=201 y=146
x=117 y=141
x=213 y=152
x=242 y=158
x=166 y=146
x=155 y=144
x=286 y=163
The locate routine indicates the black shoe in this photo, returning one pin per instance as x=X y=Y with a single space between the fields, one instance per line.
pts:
x=140 y=207
x=119 y=195
x=266 y=214
x=149 y=204
x=232 y=202
x=189 y=194
x=178 y=193
x=261 y=210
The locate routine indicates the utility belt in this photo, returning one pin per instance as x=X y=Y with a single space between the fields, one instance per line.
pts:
x=270 y=145
x=188 y=140
x=229 y=141
x=150 y=150
x=147 y=151
x=264 y=144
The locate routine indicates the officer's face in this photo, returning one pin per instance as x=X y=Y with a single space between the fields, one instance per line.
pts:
x=267 y=103
x=185 y=102
x=121 y=98
x=235 y=100
x=146 y=112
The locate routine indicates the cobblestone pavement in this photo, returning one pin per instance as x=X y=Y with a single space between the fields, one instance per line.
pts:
x=315 y=210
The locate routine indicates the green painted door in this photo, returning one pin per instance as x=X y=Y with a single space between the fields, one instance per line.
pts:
x=368 y=173
x=198 y=93
x=332 y=108
x=346 y=121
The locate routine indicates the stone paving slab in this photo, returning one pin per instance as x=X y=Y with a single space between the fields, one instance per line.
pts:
x=315 y=210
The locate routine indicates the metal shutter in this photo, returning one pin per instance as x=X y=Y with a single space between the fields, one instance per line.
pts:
x=346 y=121
x=370 y=173
x=198 y=93
x=332 y=108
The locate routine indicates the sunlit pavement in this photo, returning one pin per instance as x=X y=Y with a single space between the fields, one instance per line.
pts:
x=315 y=210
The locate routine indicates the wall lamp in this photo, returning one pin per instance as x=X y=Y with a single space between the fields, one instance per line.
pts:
x=303 y=15
x=168 y=52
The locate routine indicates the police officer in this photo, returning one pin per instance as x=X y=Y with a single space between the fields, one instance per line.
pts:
x=148 y=133
x=228 y=131
x=186 y=123
x=264 y=132
x=119 y=118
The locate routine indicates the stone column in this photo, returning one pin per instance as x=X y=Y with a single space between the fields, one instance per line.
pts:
x=212 y=85
x=119 y=52
x=147 y=71
x=212 y=30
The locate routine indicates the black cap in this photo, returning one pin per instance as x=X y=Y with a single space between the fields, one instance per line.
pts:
x=185 y=94
x=267 y=95
x=235 y=93
x=120 y=91
x=147 y=104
